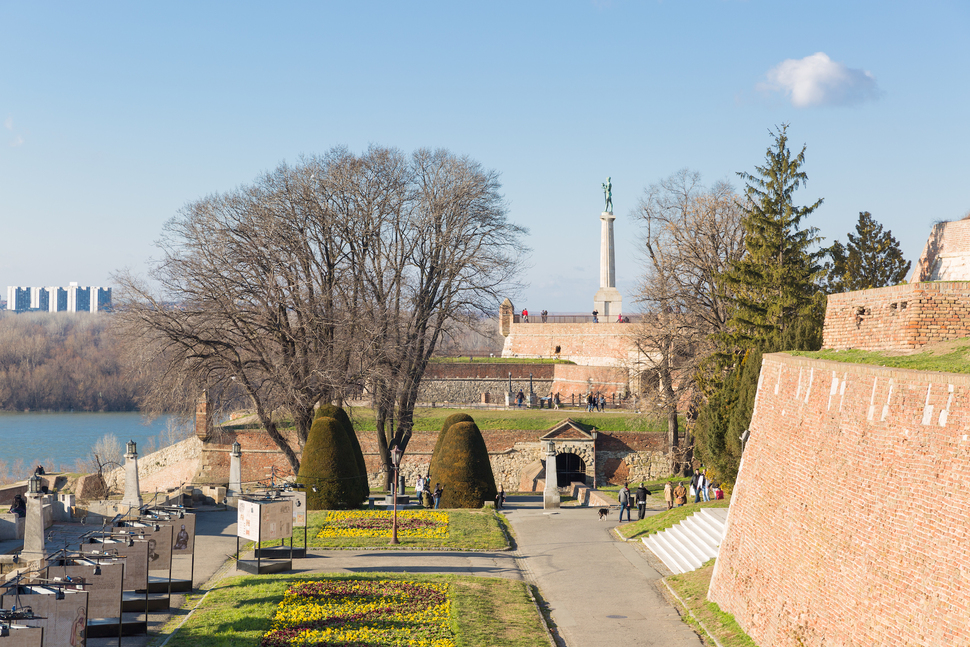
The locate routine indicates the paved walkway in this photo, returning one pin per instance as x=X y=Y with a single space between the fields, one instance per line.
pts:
x=600 y=591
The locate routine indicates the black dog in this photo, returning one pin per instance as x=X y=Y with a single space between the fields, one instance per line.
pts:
x=603 y=513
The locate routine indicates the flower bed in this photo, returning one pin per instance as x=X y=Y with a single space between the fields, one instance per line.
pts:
x=353 y=613
x=425 y=524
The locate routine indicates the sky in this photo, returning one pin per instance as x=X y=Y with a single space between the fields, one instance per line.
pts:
x=113 y=116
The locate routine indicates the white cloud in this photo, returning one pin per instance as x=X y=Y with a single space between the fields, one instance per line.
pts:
x=8 y=123
x=817 y=80
x=17 y=141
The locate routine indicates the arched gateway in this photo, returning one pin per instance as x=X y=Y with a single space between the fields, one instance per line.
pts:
x=575 y=453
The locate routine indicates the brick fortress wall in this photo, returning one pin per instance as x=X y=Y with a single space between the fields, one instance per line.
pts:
x=466 y=382
x=902 y=317
x=946 y=256
x=619 y=456
x=587 y=344
x=849 y=522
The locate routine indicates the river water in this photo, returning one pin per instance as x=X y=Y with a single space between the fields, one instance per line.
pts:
x=58 y=440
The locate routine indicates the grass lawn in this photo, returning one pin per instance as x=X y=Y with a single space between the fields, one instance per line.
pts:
x=467 y=530
x=666 y=519
x=948 y=357
x=482 y=612
x=692 y=590
x=431 y=419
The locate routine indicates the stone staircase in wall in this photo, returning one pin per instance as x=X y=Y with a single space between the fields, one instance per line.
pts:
x=687 y=545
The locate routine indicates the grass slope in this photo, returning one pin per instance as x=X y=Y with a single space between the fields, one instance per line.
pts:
x=692 y=589
x=485 y=611
x=665 y=519
x=948 y=357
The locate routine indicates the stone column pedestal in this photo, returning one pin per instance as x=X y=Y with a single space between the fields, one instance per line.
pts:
x=235 y=478
x=132 y=498
x=34 y=551
x=550 y=494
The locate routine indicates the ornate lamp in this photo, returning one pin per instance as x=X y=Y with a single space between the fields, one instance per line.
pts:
x=33 y=485
x=131 y=448
x=236 y=449
x=396 y=454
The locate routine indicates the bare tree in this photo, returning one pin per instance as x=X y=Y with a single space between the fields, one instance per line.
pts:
x=692 y=235
x=320 y=278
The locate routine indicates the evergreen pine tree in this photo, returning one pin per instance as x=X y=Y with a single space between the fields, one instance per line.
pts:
x=774 y=282
x=871 y=259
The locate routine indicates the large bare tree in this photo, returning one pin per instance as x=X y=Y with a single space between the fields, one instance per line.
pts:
x=337 y=273
x=692 y=234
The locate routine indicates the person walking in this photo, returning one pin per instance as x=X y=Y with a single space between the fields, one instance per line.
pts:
x=669 y=495
x=702 y=485
x=500 y=498
x=520 y=398
x=624 y=498
x=525 y=315
x=438 y=490
x=642 y=494
x=680 y=494
x=418 y=487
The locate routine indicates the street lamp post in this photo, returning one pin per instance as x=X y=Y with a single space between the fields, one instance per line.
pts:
x=396 y=461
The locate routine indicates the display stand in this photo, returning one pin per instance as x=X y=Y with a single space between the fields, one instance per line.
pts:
x=183 y=543
x=264 y=519
x=61 y=612
x=102 y=578
x=160 y=540
x=135 y=596
x=299 y=519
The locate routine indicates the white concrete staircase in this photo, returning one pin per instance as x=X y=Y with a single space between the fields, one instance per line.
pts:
x=688 y=544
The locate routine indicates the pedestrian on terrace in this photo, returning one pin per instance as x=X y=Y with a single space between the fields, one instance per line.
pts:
x=642 y=494
x=680 y=494
x=669 y=495
x=624 y=497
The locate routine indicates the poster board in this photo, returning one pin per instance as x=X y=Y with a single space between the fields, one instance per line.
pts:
x=298 y=500
x=265 y=520
x=183 y=532
x=64 y=621
x=135 y=560
x=104 y=590
x=23 y=636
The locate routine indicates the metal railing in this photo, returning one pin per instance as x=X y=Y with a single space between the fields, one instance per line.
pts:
x=561 y=318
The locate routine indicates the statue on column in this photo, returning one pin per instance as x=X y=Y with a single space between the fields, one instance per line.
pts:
x=608 y=194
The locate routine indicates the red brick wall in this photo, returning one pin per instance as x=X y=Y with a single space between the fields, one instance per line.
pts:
x=571 y=378
x=901 y=317
x=602 y=344
x=850 y=522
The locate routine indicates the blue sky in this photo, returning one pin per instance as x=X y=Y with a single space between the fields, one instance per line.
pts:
x=115 y=115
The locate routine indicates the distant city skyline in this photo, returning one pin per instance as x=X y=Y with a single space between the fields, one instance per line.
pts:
x=111 y=121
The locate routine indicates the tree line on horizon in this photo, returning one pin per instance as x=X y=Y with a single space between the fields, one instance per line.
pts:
x=729 y=277
x=63 y=362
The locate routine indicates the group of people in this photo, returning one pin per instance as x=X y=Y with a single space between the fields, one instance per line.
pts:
x=626 y=502
x=702 y=488
x=429 y=498
x=525 y=315
x=595 y=402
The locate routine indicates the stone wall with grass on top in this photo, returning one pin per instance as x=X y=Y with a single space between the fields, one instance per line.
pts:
x=849 y=522
x=901 y=317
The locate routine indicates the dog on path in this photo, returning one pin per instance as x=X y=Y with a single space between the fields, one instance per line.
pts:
x=604 y=512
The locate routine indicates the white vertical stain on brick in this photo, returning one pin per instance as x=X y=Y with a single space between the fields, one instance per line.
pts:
x=889 y=398
x=872 y=400
x=927 y=407
x=798 y=391
x=946 y=412
x=833 y=390
x=842 y=390
x=778 y=379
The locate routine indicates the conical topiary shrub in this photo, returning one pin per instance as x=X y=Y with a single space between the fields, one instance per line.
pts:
x=463 y=468
x=337 y=413
x=329 y=468
x=450 y=420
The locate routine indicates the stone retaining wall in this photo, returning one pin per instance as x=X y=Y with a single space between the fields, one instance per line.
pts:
x=849 y=521
x=902 y=317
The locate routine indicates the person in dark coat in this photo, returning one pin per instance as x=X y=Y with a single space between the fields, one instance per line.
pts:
x=18 y=507
x=624 y=498
x=642 y=494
